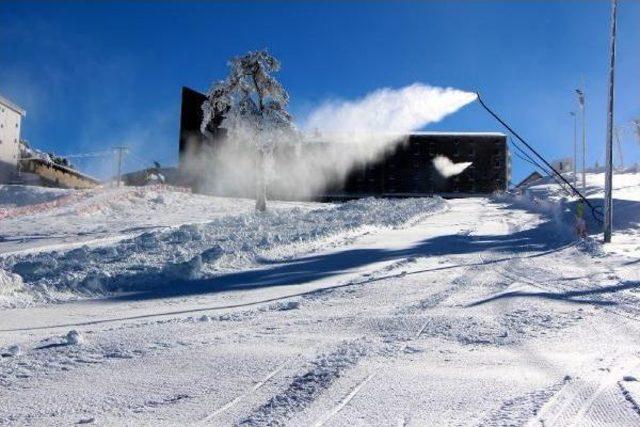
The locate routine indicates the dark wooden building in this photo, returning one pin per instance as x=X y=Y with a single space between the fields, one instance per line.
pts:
x=406 y=171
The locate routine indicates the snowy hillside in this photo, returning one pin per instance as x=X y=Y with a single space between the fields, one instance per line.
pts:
x=151 y=306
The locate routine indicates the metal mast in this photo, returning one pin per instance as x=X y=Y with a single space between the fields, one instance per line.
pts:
x=608 y=203
x=581 y=102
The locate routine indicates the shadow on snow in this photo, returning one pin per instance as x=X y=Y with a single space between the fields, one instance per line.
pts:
x=573 y=296
x=540 y=240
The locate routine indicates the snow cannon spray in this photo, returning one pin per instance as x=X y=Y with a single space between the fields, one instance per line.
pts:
x=336 y=137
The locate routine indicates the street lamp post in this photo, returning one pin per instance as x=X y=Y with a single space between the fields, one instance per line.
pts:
x=581 y=102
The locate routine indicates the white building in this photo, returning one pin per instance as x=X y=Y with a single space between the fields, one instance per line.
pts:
x=10 y=117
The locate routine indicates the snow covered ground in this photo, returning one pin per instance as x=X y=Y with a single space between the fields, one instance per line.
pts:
x=626 y=205
x=149 y=248
x=123 y=310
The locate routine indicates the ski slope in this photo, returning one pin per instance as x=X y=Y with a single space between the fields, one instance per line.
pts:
x=460 y=312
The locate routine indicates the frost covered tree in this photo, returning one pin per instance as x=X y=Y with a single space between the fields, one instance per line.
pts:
x=253 y=106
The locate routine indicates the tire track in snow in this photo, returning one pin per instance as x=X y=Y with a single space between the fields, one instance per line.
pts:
x=593 y=398
x=629 y=397
x=345 y=401
x=207 y=420
x=582 y=400
x=305 y=387
x=273 y=412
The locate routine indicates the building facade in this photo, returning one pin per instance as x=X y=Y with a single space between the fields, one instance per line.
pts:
x=10 y=123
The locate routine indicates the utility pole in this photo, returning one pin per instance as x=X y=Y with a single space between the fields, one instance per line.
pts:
x=575 y=148
x=616 y=133
x=121 y=152
x=608 y=178
x=581 y=102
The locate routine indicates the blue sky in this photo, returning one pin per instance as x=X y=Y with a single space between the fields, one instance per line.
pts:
x=94 y=75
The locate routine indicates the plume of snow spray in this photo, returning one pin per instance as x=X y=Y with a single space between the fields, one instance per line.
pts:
x=339 y=136
x=447 y=168
x=389 y=110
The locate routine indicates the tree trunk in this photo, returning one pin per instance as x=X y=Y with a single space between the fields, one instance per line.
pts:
x=261 y=184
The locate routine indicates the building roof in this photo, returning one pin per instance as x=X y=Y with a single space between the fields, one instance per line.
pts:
x=532 y=177
x=435 y=133
x=4 y=101
x=63 y=168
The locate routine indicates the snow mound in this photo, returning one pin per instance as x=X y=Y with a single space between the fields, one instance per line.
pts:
x=74 y=338
x=194 y=251
x=11 y=287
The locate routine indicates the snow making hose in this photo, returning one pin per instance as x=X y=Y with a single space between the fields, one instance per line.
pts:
x=596 y=211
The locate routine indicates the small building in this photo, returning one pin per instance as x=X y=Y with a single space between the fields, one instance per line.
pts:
x=530 y=179
x=10 y=122
x=44 y=172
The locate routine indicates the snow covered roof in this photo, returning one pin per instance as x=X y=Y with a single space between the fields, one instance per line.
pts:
x=457 y=133
x=63 y=168
x=4 y=101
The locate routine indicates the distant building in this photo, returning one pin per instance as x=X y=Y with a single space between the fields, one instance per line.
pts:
x=46 y=173
x=530 y=179
x=10 y=121
x=563 y=165
x=153 y=175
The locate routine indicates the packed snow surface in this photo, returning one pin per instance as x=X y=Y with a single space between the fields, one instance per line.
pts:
x=197 y=311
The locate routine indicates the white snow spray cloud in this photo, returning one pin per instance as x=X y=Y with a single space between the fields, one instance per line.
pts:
x=389 y=110
x=447 y=168
x=339 y=136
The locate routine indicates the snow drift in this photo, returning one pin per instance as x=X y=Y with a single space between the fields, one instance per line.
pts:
x=194 y=251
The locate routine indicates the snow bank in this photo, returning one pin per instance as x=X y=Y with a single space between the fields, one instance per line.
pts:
x=11 y=286
x=546 y=196
x=194 y=251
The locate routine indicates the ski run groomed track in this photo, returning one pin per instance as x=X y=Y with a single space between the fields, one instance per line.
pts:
x=481 y=313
